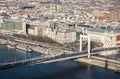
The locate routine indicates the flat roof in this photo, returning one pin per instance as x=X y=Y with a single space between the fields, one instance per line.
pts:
x=106 y=30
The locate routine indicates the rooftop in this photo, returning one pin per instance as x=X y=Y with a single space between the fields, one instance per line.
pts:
x=104 y=30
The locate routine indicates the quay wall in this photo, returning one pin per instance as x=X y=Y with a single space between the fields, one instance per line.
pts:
x=102 y=62
x=2 y=41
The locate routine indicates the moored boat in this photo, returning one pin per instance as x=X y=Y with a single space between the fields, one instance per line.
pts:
x=10 y=46
x=117 y=71
x=24 y=48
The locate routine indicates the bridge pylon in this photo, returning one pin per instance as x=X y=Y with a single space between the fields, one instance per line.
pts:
x=88 y=40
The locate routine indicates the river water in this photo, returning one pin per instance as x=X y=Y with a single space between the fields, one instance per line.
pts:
x=59 y=70
x=12 y=55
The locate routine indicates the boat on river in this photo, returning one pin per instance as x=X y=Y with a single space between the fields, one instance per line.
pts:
x=11 y=45
x=24 y=48
x=117 y=71
x=20 y=47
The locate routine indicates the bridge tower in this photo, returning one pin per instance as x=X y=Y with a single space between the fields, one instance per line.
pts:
x=88 y=40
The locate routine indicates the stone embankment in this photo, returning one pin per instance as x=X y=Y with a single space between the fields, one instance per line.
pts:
x=102 y=62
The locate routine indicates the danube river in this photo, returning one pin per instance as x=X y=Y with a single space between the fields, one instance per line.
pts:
x=59 y=70
x=12 y=55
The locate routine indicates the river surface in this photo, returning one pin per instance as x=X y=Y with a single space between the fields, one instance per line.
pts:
x=12 y=55
x=60 y=70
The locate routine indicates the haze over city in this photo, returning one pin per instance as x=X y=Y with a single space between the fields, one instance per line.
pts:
x=59 y=39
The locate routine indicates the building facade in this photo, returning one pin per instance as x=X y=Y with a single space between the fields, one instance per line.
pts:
x=109 y=38
x=14 y=26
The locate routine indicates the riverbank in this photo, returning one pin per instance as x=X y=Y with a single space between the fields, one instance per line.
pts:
x=35 y=48
x=2 y=41
x=40 y=49
x=45 y=50
x=102 y=62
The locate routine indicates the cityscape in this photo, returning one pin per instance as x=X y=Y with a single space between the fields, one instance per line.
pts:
x=59 y=39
